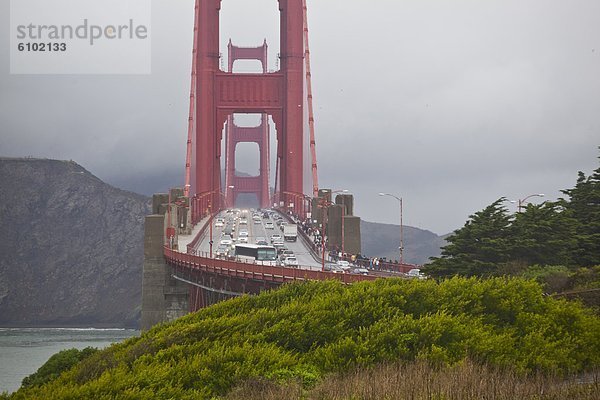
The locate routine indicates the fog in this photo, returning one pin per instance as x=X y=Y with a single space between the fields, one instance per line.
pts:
x=450 y=105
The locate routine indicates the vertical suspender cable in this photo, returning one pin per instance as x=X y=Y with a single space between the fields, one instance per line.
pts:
x=191 y=124
x=311 y=118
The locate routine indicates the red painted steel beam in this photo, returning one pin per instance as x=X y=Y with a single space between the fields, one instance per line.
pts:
x=247 y=53
x=249 y=93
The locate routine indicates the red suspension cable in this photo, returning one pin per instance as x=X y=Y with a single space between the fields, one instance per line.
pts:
x=191 y=124
x=311 y=117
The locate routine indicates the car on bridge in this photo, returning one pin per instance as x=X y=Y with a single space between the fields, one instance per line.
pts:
x=220 y=222
x=269 y=225
x=243 y=239
x=336 y=269
x=276 y=237
x=226 y=242
x=222 y=252
x=345 y=265
x=360 y=271
x=416 y=273
x=290 y=262
x=243 y=233
x=286 y=253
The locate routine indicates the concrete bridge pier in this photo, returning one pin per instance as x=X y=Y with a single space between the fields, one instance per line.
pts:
x=163 y=297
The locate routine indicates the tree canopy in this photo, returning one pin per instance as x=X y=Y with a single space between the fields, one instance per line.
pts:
x=565 y=232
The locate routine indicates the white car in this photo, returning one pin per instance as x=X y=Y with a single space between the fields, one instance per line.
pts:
x=336 y=269
x=243 y=233
x=226 y=242
x=243 y=239
x=219 y=223
x=285 y=254
x=343 y=264
x=290 y=262
x=276 y=238
x=243 y=221
x=360 y=271
x=269 y=225
x=416 y=273
x=278 y=244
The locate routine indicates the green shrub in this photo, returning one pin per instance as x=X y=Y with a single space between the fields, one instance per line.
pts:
x=303 y=332
x=56 y=365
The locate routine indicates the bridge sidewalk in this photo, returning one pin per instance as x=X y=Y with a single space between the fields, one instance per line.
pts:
x=185 y=240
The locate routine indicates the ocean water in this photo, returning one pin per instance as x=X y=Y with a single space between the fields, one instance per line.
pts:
x=24 y=350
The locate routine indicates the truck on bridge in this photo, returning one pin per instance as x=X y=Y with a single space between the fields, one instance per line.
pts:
x=290 y=232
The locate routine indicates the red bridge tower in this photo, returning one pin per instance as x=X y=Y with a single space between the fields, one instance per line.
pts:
x=216 y=95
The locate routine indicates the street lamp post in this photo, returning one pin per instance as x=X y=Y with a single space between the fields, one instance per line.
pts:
x=323 y=238
x=299 y=198
x=401 y=225
x=343 y=230
x=169 y=225
x=210 y=243
x=521 y=203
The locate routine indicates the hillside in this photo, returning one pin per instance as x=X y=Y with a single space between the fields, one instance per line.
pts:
x=70 y=247
x=302 y=334
x=382 y=240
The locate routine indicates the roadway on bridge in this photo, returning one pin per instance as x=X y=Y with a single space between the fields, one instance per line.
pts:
x=256 y=230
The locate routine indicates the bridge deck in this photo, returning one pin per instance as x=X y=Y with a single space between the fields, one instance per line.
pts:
x=200 y=239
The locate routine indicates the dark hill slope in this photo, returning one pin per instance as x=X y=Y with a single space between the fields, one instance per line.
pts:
x=382 y=240
x=70 y=247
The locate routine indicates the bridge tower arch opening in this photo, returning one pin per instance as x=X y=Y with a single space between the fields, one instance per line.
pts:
x=247 y=160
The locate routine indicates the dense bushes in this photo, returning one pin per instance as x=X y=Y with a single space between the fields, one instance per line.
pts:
x=303 y=332
x=56 y=365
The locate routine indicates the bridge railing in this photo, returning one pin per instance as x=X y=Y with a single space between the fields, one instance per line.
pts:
x=194 y=243
x=383 y=266
x=254 y=271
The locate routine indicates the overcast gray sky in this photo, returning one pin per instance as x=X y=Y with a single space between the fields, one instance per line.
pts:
x=450 y=104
